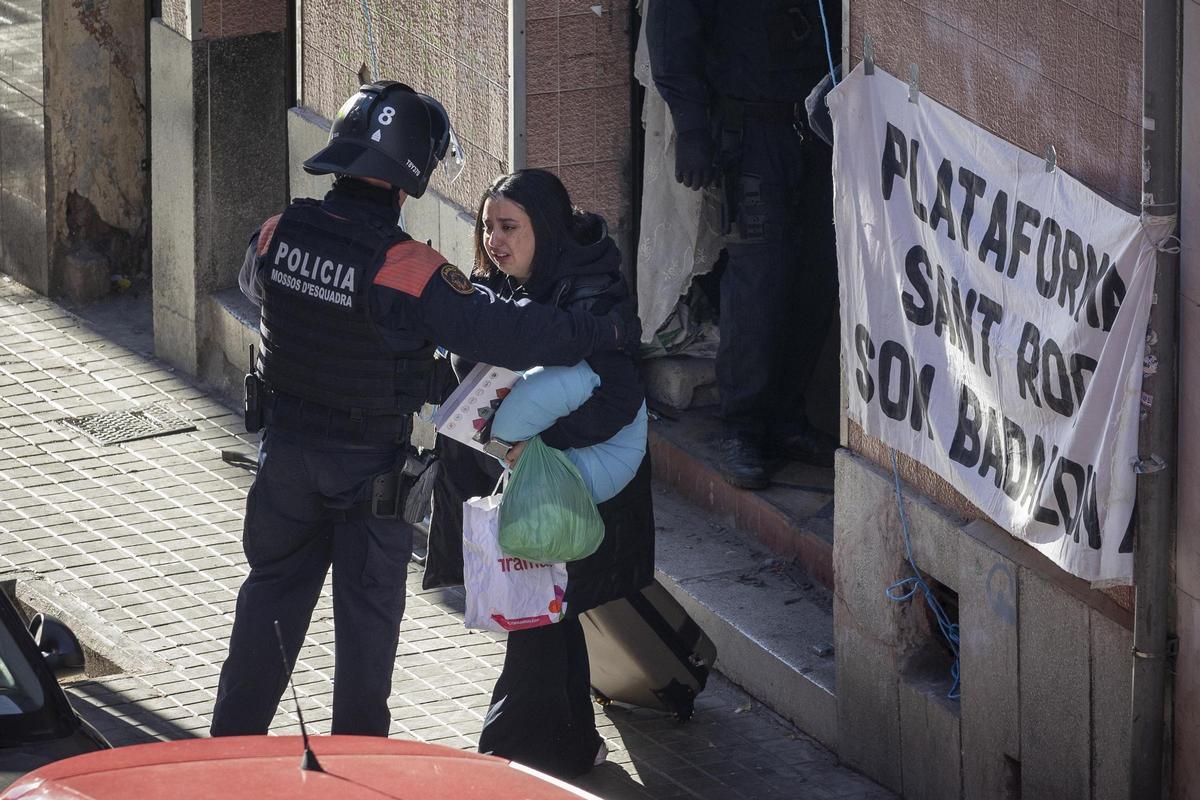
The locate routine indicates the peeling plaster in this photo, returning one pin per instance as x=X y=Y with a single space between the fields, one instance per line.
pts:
x=96 y=109
x=93 y=16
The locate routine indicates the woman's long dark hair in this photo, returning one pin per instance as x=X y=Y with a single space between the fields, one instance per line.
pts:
x=556 y=222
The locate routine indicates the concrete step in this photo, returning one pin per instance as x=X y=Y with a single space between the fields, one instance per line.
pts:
x=771 y=621
x=793 y=517
x=233 y=322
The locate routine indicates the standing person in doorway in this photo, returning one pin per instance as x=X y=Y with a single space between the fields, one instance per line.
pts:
x=531 y=243
x=735 y=76
x=351 y=307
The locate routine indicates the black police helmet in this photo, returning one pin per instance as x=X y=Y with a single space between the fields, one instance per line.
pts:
x=389 y=132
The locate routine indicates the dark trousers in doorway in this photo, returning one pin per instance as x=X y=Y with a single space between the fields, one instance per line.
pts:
x=779 y=289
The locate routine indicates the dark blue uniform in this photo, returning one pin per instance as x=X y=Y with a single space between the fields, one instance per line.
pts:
x=350 y=307
x=739 y=72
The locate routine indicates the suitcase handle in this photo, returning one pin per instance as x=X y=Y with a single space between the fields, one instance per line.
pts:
x=677 y=641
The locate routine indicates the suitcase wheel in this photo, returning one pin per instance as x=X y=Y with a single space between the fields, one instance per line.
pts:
x=600 y=698
x=682 y=715
x=680 y=700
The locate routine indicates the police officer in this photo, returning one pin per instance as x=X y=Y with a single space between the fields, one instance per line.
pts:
x=735 y=76
x=351 y=307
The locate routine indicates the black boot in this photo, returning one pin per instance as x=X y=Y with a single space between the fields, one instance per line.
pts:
x=808 y=445
x=742 y=463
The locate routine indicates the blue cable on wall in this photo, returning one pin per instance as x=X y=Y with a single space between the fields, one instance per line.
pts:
x=366 y=10
x=905 y=589
x=914 y=583
x=828 y=47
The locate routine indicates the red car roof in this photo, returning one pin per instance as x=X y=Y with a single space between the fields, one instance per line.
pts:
x=265 y=767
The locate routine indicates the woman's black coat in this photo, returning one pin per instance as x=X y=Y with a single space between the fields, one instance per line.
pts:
x=587 y=278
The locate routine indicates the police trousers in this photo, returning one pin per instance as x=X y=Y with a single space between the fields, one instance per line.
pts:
x=779 y=288
x=303 y=515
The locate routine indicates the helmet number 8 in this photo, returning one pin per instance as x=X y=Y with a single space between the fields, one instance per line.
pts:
x=387 y=115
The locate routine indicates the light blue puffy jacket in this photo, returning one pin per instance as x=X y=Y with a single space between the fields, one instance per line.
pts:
x=543 y=395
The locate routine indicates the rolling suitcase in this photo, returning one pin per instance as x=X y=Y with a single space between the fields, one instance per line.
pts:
x=647 y=651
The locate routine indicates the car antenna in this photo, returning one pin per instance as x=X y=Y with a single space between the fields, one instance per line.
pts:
x=309 y=761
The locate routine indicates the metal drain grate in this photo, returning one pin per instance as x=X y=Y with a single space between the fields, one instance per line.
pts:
x=113 y=427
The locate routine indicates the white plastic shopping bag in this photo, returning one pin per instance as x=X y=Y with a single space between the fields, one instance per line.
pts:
x=505 y=593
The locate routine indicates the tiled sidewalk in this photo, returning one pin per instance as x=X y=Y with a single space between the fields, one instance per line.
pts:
x=141 y=541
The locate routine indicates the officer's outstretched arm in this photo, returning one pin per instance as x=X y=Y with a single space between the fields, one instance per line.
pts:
x=481 y=327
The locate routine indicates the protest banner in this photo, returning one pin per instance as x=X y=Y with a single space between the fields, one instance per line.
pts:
x=993 y=320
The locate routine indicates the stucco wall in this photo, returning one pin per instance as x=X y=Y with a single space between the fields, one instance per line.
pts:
x=175 y=14
x=96 y=109
x=454 y=50
x=1033 y=72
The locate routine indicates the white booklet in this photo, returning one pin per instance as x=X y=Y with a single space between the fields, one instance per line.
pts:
x=467 y=414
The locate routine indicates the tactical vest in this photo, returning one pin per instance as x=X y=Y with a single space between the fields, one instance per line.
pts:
x=319 y=342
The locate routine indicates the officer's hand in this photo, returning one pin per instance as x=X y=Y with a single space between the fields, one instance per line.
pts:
x=695 y=159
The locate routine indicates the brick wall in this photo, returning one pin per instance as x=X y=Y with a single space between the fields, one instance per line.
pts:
x=224 y=18
x=577 y=68
x=243 y=17
x=1033 y=72
x=454 y=51
x=577 y=84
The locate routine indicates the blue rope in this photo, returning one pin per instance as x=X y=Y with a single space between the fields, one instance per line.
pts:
x=371 y=41
x=828 y=47
x=915 y=583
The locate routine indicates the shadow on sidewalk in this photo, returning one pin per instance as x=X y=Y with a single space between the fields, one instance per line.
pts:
x=124 y=720
x=732 y=748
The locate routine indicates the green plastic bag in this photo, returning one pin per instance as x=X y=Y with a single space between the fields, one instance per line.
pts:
x=547 y=513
